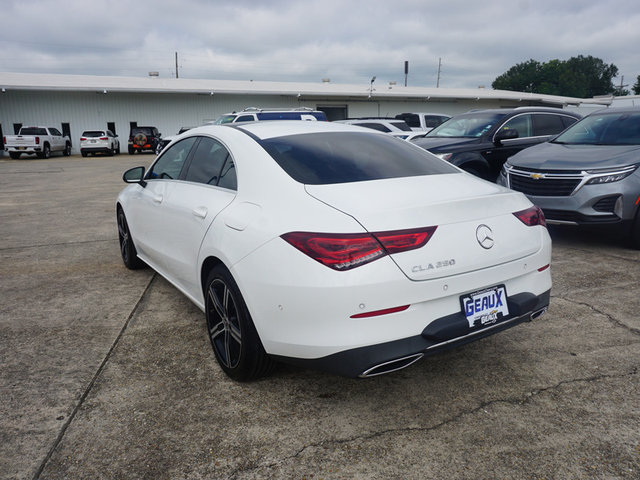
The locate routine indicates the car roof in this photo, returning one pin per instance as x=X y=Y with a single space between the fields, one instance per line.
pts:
x=278 y=128
x=613 y=110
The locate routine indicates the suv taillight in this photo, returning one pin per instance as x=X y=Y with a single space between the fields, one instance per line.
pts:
x=104 y=138
x=531 y=216
x=82 y=139
x=344 y=251
x=37 y=140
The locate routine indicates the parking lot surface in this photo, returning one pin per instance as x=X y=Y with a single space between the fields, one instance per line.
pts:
x=108 y=373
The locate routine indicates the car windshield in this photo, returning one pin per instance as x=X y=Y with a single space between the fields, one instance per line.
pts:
x=93 y=133
x=345 y=157
x=615 y=128
x=224 y=119
x=469 y=125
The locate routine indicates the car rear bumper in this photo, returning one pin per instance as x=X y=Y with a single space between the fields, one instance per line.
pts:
x=442 y=334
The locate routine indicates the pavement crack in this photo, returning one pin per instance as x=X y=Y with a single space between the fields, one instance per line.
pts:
x=91 y=384
x=610 y=317
x=519 y=400
x=84 y=242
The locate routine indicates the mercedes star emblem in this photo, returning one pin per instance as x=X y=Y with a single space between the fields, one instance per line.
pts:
x=484 y=235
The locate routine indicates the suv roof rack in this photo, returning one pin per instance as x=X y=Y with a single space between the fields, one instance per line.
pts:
x=296 y=109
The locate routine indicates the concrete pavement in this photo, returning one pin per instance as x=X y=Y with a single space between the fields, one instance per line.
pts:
x=108 y=373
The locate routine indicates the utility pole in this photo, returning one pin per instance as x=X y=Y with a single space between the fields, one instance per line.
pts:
x=406 y=71
x=622 y=85
x=439 y=66
x=176 y=64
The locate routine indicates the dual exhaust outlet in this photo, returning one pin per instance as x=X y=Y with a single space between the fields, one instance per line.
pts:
x=404 y=362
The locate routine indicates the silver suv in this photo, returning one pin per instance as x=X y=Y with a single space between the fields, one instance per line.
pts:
x=588 y=175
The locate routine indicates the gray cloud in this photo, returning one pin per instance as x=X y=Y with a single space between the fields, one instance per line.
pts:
x=348 y=41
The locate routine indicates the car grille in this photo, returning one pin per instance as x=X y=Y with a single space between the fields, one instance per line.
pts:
x=607 y=204
x=544 y=184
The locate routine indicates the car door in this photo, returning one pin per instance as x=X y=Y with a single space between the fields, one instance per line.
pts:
x=503 y=149
x=147 y=212
x=57 y=142
x=208 y=186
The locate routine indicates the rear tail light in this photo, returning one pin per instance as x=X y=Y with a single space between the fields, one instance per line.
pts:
x=104 y=138
x=531 y=216
x=37 y=140
x=82 y=139
x=344 y=251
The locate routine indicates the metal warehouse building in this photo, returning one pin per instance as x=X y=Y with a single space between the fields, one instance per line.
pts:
x=74 y=103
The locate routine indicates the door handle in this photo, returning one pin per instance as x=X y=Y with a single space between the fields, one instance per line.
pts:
x=157 y=198
x=200 y=212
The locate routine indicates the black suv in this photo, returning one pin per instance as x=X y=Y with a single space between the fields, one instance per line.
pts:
x=145 y=139
x=480 y=141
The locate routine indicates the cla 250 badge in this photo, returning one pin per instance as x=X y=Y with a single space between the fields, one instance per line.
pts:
x=433 y=266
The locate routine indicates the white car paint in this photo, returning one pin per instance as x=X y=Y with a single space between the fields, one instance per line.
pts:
x=303 y=309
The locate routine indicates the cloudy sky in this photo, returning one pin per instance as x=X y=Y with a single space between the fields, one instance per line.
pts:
x=348 y=41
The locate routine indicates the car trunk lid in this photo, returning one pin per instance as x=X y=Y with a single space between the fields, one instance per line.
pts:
x=476 y=227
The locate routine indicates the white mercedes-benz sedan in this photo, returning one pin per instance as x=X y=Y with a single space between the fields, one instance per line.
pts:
x=331 y=246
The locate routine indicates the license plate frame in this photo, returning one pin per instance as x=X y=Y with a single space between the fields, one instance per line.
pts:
x=485 y=307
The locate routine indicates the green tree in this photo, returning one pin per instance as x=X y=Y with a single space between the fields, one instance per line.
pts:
x=636 y=87
x=581 y=76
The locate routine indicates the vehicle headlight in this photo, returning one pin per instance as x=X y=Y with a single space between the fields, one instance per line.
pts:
x=444 y=156
x=610 y=176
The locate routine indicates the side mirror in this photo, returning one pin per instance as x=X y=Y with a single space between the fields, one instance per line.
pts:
x=506 y=134
x=134 y=175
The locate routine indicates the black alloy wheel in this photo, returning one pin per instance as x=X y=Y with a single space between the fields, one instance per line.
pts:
x=233 y=336
x=127 y=248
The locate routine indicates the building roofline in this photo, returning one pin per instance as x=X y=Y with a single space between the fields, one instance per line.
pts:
x=105 y=84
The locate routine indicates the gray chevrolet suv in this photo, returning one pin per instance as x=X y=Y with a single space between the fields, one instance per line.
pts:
x=588 y=175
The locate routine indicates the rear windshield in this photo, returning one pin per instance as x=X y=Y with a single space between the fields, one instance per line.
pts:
x=145 y=130
x=94 y=133
x=345 y=157
x=33 y=131
x=620 y=128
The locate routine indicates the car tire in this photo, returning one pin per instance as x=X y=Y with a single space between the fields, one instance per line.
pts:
x=127 y=248
x=14 y=155
x=131 y=150
x=233 y=336
x=84 y=154
x=46 y=151
x=67 y=150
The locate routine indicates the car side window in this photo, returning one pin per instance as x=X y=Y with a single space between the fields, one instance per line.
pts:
x=521 y=123
x=55 y=132
x=171 y=161
x=547 y=124
x=207 y=162
x=245 y=118
x=228 y=177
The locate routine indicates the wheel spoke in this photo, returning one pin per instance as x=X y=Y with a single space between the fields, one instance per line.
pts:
x=216 y=330
x=217 y=304
x=235 y=334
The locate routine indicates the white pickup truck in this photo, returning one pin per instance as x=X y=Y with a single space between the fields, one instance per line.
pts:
x=39 y=140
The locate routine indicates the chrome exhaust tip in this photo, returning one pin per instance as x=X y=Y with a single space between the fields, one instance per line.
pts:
x=538 y=313
x=391 y=366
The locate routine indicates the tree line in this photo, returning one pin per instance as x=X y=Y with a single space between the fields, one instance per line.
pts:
x=580 y=77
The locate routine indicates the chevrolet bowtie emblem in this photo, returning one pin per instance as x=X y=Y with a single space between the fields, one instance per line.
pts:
x=536 y=176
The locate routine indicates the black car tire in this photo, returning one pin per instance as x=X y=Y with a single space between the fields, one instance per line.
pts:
x=84 y=154
x=127 y=248
x=46 y=151
x=14 y=155
x=67 y=150
x=233 y=336
x=131 y=150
